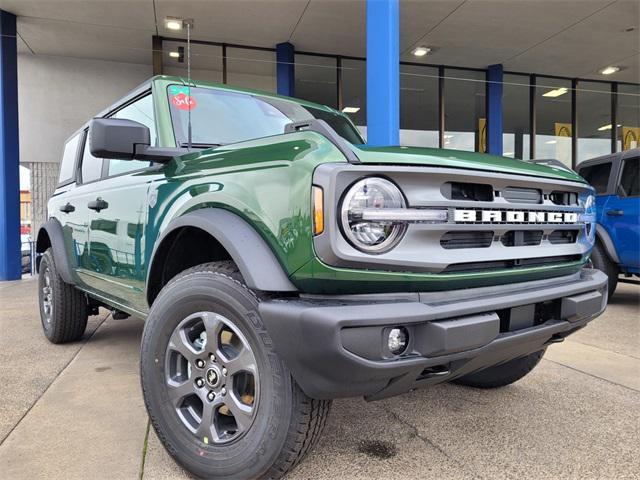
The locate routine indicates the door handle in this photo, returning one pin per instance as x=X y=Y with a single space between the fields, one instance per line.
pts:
x=615 y=213
x=98 y=204
x=68 y=208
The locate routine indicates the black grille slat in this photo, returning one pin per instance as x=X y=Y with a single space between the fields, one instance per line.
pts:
x=521 y=238
x=463 y=239
x=522 y=195
x=560 y=237
x=504 y=264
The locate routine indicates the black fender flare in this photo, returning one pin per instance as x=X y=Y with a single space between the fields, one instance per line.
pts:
x=607 y=243
x=53 y=229
x=258 y=265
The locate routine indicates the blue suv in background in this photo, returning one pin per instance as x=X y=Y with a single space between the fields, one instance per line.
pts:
x=617 y=183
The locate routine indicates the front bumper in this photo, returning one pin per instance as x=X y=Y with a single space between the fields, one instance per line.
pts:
x=335 y=345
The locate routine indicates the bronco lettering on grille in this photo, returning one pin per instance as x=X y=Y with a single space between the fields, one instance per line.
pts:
x=514 y=216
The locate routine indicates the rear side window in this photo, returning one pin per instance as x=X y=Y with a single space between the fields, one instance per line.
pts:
x=68 y=163
x=630 y=179
x=597 y=176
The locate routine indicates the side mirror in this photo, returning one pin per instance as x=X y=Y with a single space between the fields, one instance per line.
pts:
x=123 y=139
x=117 y=138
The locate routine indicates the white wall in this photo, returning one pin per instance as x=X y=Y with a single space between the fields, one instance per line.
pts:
x=56 y=95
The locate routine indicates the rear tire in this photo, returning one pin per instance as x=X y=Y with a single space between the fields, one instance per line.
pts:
x=503 y=374
x=63 y=308
x=602 y=262
x=176 y=357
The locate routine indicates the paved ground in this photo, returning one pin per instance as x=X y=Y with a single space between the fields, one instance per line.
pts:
x=76 y=411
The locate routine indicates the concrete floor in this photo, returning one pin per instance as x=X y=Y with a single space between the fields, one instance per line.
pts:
x=76 y=411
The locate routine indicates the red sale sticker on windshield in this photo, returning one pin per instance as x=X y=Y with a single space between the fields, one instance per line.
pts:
x=183 y=101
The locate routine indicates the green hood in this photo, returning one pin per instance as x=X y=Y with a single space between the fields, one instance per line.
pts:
x=459 y=159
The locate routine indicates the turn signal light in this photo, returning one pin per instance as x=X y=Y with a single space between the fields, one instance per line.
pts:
x=318 y=210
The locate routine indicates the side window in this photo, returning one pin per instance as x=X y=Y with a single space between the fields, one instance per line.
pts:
x=68 y=163
x=139 y=111
x=630 y=179
x=91 y=168
x=597 y=176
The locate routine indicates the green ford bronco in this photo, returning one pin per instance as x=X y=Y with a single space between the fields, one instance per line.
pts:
x=281 y=263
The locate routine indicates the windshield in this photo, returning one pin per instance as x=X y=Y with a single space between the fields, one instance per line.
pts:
x=219 y=117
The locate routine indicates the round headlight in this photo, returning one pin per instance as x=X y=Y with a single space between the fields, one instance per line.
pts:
x=372 y=236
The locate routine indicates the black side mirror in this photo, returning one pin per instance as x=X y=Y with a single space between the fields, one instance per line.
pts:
x=124 y=139
x=117 y=138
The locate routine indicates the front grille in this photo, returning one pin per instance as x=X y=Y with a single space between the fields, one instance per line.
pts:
x=522 y=195
x=476 y=192
x=502 y=264
x=452 y=240
x=564 y=198
x=559 y=237
x=520 y=238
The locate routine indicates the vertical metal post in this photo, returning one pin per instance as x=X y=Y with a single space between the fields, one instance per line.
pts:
x=10 y=261
x=441 y=124
x=383 y=72
x=285 y=73
x=574 y=123
x=339 y=91
x=614 y=117
x=532 y=116
x=494 y=109
x=224 y=64
x=156 y=45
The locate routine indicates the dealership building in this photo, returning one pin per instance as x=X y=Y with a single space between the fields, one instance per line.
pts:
x=524 y=79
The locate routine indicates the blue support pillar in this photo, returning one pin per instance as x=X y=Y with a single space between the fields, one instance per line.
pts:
x=285 y=75
x=494 y=109
x=383 y=72
x=10 y=262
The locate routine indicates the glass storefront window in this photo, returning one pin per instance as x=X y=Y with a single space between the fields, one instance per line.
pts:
x=593 y=109
x=464 y=109
x=316 y=79
x=354 y=88
x=628 y=117
x=418 y=106
x=249 y=68
x=553 y=119
x=515 y=122
x=206 y=61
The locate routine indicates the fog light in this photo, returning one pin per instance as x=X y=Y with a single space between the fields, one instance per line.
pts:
x=398 y=340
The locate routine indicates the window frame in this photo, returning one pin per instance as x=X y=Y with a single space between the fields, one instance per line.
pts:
x=613 y=174
x=79 y=179
x=74 y=170
x=618 y=184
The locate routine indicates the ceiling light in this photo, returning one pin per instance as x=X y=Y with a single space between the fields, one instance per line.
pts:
x=556 y=93
x=607 y=127
x=174 y=54
x=609 y=70
x=173 y=23
x=350 y=109
x=507 y=154
x=421 y=51
x=550 y=142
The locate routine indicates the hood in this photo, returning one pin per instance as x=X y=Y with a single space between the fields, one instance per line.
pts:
x=436 y=157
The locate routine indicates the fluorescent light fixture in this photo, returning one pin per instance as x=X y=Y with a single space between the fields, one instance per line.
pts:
x=350 y=109
x=173 y=23
x=610 y=70
x=420 y=51
x=507 y=154
x=448 y=136
x=550 y=142
x=607 y=127
x=556 y=93
x=174 y=54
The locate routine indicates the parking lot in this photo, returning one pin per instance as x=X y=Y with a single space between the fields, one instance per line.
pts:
x=76 y=411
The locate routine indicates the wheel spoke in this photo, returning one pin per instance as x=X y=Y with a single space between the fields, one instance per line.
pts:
x=207 y=428
x=241 y=412
x=243 y=362
x=179 y=343
x=178 y=391
x=212 y=325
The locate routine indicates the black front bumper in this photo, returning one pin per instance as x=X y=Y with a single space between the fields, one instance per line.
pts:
x=335 y=346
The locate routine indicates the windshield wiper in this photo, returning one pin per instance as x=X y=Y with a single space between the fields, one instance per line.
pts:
x=200 y=145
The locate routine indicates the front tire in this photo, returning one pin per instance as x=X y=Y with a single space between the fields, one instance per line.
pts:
x=601 y=261
x=503 y=374
x=220 y=399
x=63 y=308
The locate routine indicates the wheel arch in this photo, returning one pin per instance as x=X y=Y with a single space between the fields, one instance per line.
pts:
x=229 y=238
x=605 y=240
x=51 y=235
